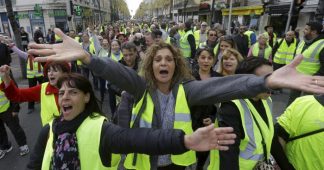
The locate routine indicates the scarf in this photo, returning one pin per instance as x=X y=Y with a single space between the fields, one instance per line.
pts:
x=65 y=153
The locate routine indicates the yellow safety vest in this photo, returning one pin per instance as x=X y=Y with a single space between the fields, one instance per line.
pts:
x=310 y=64
x=58 y=39
x=267 y=51
x=92 y=51
x=216 y=50
x=304 y=115
x=103 y=53
x=285 y=53
x=184 y=44
x=4 y=102
x=182 y=121
x=249 y=33
x=77 y=39
x=113 y=56
x=88 y=136
x=36 y=72
x=49 y=108
x=181 y=33
x=274 y=38
x=251 y=148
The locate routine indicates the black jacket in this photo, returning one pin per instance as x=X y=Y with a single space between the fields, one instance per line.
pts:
x=5 y=57
x=115 y=139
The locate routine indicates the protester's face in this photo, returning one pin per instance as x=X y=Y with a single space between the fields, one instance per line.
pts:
x=242 y=29
x=270 y=30
x=212 y=36
x=85 y=38
x=262 y=71
x=157 y=39
x=230 y=64
x=307 y=32
x=129 y=57
x=72 y=34
x=225 y=45
x=121 y=39
x=72 y=101
x=205 y=61
x=148 y=40
x=105 y=44
x=163 y=67
x=290 y=35
x=115 y=46
x=53 y=75
x=203 y=27
x=41 y=40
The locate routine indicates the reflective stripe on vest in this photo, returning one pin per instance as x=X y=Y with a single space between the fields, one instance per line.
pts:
x=49 y=108
x=285 y=53
x=88 y=136
x=4 y=102
x=310 y=64
x=184 y=44
x=251 y=149
x=36 y=72
x=267 y=51
x=182 y=121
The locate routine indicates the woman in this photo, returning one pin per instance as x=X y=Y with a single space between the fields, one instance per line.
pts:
x=261 y=49
x=164 y=75
x=229 y=62
x=252 y=122
x=203 y=115
x=224 y=43
x=45 y=93
x=81 y=138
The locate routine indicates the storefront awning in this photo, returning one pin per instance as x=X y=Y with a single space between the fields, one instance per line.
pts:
x=246 y=10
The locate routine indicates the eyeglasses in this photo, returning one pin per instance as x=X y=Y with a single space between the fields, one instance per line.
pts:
x=212 y=35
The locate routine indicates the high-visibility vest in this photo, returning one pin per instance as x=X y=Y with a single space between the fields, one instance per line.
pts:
x=251 y=148
x=103 y=53
x=182 y=120
x=92 y=50
x=4 y=102
x=34 y=69
x=168 y=40
x=285 y=53
x=304 y=115
x=216 y=50
x=249 y=33
x=202 y=45
x=197 y=37
x=181 y=33
x=184 y=44
x=113 y=56
x=77 y=39
x=88 y=136
x=58 y=39
x=267 y=51
x=49 y=108
x=310 y=64
x=274 y=38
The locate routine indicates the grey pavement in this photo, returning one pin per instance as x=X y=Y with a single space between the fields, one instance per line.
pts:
x=31 y=122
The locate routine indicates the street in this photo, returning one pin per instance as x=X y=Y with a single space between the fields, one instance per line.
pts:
x=31 y=123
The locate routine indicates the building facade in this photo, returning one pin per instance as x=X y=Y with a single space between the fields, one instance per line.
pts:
x=63 y=14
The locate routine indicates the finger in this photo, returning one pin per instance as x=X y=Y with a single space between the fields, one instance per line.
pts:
x=41 y=52
x=223 y=130
x=297 y=60
x=222 y=148
x=48 y=58
x=40 y=46
x=228 y=136
x=59 y=33
x=225 y=142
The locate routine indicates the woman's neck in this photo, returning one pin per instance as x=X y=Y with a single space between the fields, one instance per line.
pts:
x=228 y=72
x=164 y=88
x=204 y=74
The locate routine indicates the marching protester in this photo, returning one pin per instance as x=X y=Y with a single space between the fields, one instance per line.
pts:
x=163 y=80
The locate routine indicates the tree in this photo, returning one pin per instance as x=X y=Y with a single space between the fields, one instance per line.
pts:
x=16 y=36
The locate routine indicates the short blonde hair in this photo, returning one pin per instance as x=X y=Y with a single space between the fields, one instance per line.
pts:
x=227 y=54
x=264 y=35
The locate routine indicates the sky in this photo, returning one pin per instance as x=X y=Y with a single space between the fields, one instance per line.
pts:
x=133 y=5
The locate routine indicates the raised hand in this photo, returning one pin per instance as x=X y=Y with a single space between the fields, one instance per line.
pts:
x=288 y=77
x=69 y=50
x=209 y=137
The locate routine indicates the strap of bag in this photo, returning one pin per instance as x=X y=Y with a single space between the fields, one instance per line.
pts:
x=306 y=134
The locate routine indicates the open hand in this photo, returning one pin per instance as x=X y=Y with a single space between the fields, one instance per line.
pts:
x=289 y=77
x=69 y=50
x=209 y=137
